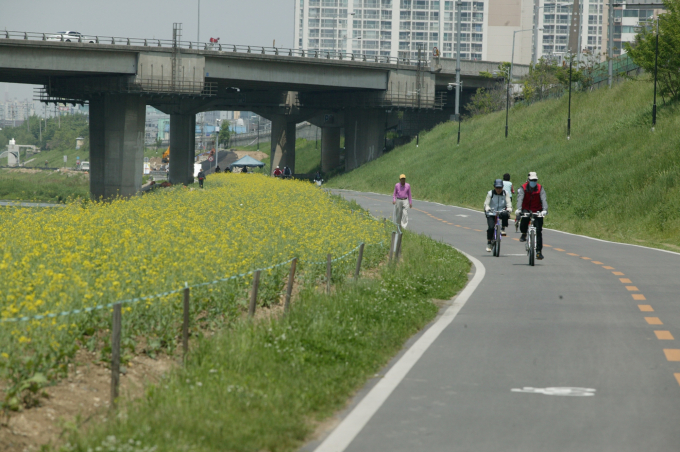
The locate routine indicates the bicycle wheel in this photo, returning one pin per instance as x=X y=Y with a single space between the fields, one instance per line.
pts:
x=497 y=244
x=532 y=248
x=495 y=240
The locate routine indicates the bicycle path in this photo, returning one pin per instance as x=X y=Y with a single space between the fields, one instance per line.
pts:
x=601 y=318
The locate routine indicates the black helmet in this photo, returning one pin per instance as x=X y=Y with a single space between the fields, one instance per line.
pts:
x=498 y=183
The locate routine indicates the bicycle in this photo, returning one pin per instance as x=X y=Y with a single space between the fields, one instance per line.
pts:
x=497 y=234
x=530 y=244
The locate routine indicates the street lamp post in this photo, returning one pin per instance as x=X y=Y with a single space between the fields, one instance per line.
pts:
x=258 y=134
x=459 y=6
x=571 y=59
x=512 y=61
x=656 y=61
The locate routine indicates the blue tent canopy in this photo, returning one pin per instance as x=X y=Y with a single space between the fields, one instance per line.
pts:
x=246 y=161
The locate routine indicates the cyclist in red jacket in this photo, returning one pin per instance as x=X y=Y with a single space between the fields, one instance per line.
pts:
x=531 y=197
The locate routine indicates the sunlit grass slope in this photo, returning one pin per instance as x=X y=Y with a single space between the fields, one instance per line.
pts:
x=615 y=178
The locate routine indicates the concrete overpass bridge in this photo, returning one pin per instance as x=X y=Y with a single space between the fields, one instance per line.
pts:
x=118 y=77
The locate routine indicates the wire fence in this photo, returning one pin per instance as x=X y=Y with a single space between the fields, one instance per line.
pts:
x=171 y=292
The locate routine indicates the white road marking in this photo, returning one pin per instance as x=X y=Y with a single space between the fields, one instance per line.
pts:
x=464 y=216
x=350 y=427
x=572 y=392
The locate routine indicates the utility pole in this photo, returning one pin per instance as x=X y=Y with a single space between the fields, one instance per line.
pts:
x=198 y=29
x=459 y=5
x=534 y=56
x=656 y=61
x=610 y=41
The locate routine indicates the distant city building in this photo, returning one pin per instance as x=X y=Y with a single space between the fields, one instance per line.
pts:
x=399 y=28
x=15 y=112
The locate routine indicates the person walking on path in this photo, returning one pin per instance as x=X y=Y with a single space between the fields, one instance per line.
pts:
x=287 y=173
x=217 y=169
x=201 y=178
x=531 y=198
x=278 y=172
x=400 y=197
x=509 y=189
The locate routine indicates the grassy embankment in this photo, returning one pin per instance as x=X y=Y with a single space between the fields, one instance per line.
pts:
x=43 y=186
x=266 y=385
x=615 y=179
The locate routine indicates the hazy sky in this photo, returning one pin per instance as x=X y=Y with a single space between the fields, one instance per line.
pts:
x=250 y=22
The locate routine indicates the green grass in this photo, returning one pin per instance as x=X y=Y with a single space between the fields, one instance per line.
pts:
x=264 y=385
x=44 y=186
x=615 y=179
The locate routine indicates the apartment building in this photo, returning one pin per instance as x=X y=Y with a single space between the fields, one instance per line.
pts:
x=399 y=28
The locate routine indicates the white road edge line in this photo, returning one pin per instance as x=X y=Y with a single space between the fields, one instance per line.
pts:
x=547 y=229
x=355 y=421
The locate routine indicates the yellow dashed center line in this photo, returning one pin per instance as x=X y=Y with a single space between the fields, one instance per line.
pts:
x=479 y=230
x=617 y=273
x=625 y=280
x=638 y=297
x=645 y=308
x=597 y=263
x=608 y=268
x=547 y=246
x=672 y=354
x=586 y=258
x=632 y=289
x=572 y=254
x=664 y=335
x=559 y=249
x=677 y=377
x=653 y=321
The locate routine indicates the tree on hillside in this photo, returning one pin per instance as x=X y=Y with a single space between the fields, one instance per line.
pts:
x=225 y=134
x=488 y=100
x=642 y=50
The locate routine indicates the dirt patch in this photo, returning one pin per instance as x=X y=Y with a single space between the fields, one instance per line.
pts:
x=257 y=155
x=78 y=400
x=23 y=170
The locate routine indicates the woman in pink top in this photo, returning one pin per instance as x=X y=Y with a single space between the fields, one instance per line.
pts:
x=400 y=197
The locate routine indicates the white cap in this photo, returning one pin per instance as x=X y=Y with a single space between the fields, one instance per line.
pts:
x=533 y=176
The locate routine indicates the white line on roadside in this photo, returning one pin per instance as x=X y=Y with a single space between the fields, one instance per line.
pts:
x=350 y=427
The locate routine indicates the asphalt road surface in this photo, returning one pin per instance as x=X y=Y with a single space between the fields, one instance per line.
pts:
x=579 y=353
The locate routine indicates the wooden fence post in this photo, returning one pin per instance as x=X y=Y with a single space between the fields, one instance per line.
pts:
x=398 y=252
x=115 y=352
x=359 y=258
x=289 y=288
x=392 y=245
x=185 y=323
x=328 y=275
x=253 y=294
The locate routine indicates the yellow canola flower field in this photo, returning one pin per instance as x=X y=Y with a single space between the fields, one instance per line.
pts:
x=92 y=254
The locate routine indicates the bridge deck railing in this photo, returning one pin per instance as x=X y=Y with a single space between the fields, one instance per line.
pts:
x=215 y=47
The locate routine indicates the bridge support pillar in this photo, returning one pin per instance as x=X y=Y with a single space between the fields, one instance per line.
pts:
x=283 y=143
x=182 y=148
x=116 y=145
x=330 y=148
x=364 y=136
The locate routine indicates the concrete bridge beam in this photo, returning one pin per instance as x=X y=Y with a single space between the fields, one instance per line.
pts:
x=116 y=145
x=282 y=142
x=182 y=148
x=364 y=136
x=330 y=148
